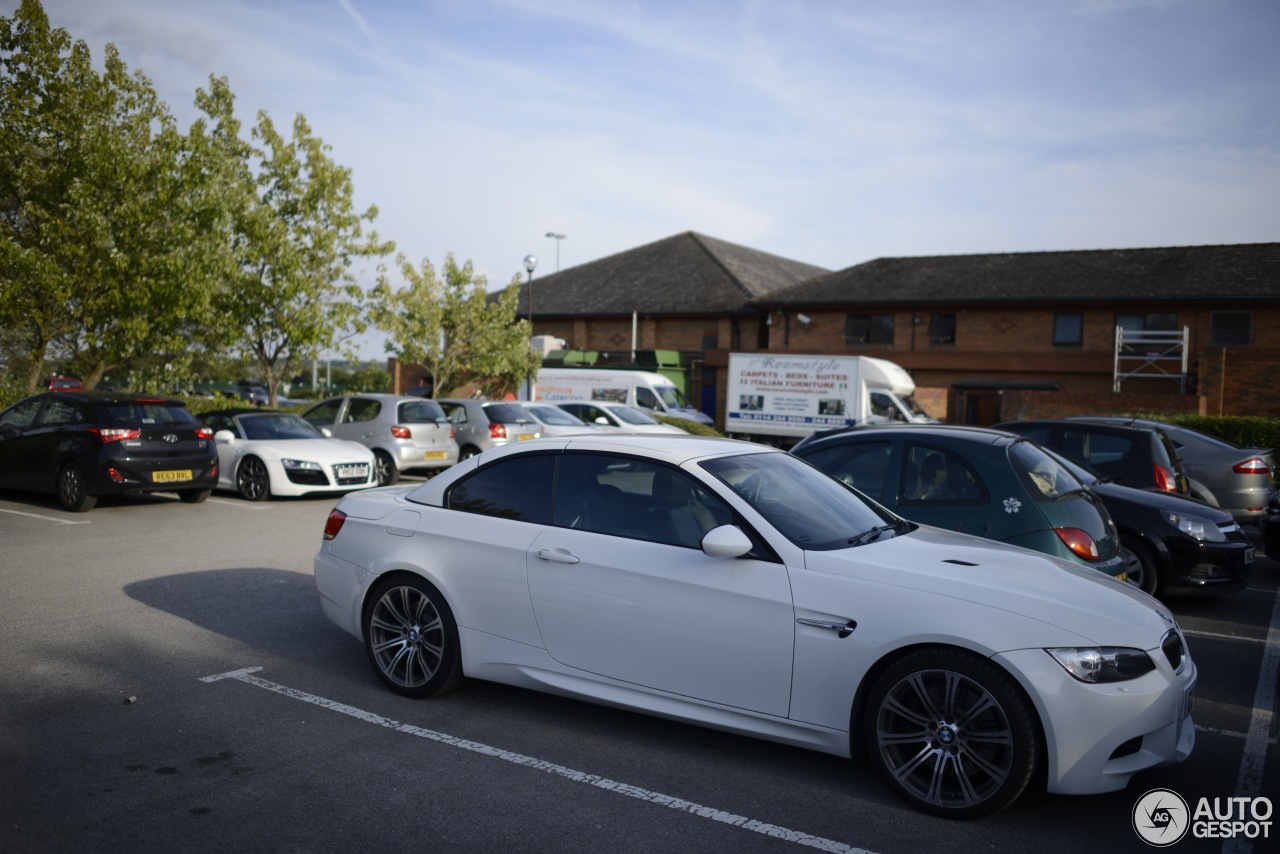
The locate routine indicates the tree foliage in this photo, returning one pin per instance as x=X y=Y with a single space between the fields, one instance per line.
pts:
x=458 y=332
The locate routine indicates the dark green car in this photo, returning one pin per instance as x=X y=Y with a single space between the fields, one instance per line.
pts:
x=983 y=482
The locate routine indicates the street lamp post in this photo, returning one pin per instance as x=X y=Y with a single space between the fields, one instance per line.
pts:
x=557 y=238
x=530 y=262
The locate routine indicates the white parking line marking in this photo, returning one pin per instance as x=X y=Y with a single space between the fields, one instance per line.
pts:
x=1230 y=733
x=1217 y=636
x=1252 y=764
x=47 y=518
x=772 y=830
x=243 y=505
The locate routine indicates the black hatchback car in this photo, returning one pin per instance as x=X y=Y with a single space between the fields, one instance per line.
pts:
x=83 y=445
x=1137 y=456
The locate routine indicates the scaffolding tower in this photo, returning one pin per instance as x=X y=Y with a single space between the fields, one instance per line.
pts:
x=1162 y=355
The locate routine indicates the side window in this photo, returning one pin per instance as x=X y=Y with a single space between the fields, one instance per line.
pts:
x=883 y=405
x=518 y=489
x=361 y=409
x=61 y=413
x=219 y=422
x=935 y=476
x=457 y=413
x=862 y=465
x=1095 y=449
x=647 y=399
x=21 y=415
x=637 y=499
x=324 y=414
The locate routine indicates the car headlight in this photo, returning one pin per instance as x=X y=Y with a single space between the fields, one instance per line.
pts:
x=1103 y=663
x=295 y=465
x=1194 y=526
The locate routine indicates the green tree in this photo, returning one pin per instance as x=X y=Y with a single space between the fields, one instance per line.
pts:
x=454 y=328
x=295 y=242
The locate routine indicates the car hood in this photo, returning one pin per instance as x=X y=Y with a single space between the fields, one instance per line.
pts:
x=1158 y=499
x=1076 y=599
x=315 y=450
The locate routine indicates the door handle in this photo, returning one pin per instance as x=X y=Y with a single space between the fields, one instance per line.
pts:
x=842 y=630
x=557 y=556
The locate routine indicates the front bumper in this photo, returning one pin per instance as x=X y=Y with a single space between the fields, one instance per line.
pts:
x=1206 y=568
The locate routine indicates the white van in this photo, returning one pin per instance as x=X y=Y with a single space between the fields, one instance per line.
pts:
x=647 y=391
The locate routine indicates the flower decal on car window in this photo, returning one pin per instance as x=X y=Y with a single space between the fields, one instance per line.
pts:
x=1012 y=505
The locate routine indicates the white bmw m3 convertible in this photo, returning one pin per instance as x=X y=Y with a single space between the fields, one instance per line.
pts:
x=734 y=586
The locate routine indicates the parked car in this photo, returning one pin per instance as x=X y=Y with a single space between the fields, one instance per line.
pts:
x=63 y=384
x=405 y=433
x=1271 y=528
x=731 y=585
x=83 y=445
x=557 y=422
x=483 y=424
x=1172 y=545
x=1137 y=456
x=1238 y=479
x=975 y=481
x=617 y=416
x=262 y=453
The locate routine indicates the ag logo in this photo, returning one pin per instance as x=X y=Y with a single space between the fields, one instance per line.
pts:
x=1161 y=817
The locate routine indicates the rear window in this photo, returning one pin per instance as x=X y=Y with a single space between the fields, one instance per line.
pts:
x=419 y=412
x=1043 y=476
x=143 y=413
x=507 y=413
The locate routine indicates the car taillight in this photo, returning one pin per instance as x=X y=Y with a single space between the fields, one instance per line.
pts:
x=1165 y=479
x=213 y=472
x=114 y=474
x=115 y=434
x=1079 y=542
x=333 y=524
x=400 y=432
x=204 y=432
x=452 y=435
x=497 y=431
x=1253 y=466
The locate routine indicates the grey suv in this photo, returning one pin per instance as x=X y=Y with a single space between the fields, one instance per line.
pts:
x=405 y=433
x=483 y=424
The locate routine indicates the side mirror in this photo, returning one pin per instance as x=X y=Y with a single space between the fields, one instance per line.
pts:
x=602 y=420
x=726 y=541
x=224 y=437
x=328 y=434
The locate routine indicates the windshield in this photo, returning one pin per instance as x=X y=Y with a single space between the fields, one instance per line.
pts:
x=672 y=397
x=555 y=416
x=276 y=425
x=507 y=413
x=811 y=509
x=915 y=408
x=631 y=416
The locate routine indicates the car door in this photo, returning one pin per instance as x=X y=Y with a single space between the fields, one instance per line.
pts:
x=619 y=593
x=938 y=486
x=325 y=414
x=358 y=420
x=18 y=464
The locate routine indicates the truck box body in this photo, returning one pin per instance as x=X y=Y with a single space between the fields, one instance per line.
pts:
x=792 y=395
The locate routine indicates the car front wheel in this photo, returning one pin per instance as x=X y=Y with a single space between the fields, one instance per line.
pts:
x=952 y=733
x=411 y=638
x=72 y=490
x=252 y=480
x=385 y=468
x=1139 y=567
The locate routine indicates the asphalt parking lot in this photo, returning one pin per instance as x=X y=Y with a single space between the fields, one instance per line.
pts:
x=167 y=682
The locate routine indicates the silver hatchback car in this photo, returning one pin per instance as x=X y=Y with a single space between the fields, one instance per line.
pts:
x=405 y=433
x=483 y=424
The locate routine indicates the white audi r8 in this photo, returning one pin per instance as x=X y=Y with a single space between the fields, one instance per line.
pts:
x=264 y=453
x=735 y=586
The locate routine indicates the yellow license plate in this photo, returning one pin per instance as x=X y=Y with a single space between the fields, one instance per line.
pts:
x=434 y=455
x=524 y=436
x=176 y=476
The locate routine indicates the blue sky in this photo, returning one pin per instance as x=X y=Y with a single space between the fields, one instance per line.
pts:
x=824 y=131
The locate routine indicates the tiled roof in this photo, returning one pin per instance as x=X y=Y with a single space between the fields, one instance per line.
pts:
x=1233 y=272
x=689 y=273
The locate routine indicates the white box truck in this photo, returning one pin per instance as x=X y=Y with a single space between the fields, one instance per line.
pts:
x=648 y=391
x=790 y=396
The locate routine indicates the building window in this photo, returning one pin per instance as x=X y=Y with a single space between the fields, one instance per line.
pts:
x=868 y=329
x=1230 y=328
x=1068 y=328
x=942 y=329
x=1154 y=322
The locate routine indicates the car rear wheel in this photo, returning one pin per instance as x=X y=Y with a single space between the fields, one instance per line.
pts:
x=72 y=489
x=1139 y=566
x=467 y=452
x=252 y=480
x=193 y=496
x=952 y=733
x=385 y=468
x=411 y=638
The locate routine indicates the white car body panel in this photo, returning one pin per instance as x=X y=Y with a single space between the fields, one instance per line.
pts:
x=673 y=632
x=326 y=452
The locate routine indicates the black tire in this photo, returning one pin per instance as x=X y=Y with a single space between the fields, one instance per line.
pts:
x=72 y=489
x=385 y=468
x=952 y=733
x=1140 y=566
x=411 y=637
x=252 y=480
x=467 y=452
x=193 y=496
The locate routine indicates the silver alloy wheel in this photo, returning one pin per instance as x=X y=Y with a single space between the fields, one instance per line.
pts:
x=1133 y=568
x=252 y=480
x=406 y=637
x=945 y=739
x=384 y=468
